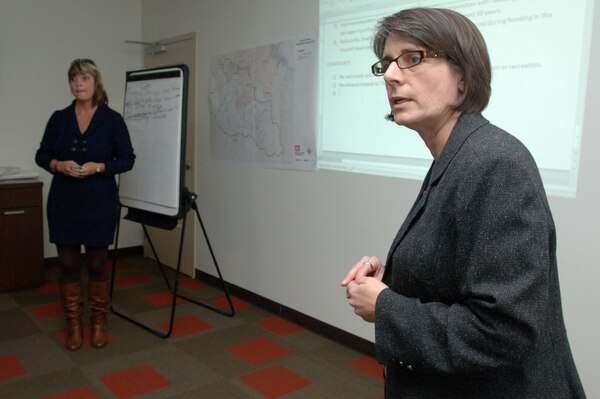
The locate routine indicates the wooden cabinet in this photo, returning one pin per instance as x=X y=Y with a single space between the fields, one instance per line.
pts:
x=21 y=235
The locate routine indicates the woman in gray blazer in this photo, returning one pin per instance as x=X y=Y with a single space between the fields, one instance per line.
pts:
x=468 y=305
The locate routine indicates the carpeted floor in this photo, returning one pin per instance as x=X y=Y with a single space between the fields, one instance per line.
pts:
x=254 y=354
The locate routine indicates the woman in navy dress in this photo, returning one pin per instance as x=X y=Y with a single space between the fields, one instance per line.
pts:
x=84 y=146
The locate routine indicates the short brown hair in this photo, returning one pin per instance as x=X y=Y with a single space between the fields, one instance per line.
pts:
x=448 y=31
x=80 y=66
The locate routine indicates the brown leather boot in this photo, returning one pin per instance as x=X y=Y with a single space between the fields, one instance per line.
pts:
x=70 y=294
x=99 y=305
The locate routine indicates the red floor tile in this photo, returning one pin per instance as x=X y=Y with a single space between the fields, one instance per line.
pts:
x=10 y=367
x=87 y=335
x=79 y=393
x=134 y=381
x=52 y=269
x=47 y=311
x=161 y=299
x=370 y=366
x=238 y=304
x=275 y=382
x=120 y=264
x=50 y=287
x=185 y=326
x=258 y=351
x=192 y=284
x=279 y=326
x=131 y=280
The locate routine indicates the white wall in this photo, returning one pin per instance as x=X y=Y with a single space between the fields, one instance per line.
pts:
x=38 y=40
x=291 y=236
x=288 y=236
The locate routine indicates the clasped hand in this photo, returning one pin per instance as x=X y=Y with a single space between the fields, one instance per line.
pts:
x=363 y=286
x=73 y=169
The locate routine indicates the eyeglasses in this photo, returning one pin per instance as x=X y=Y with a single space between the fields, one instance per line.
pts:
x=405 y=60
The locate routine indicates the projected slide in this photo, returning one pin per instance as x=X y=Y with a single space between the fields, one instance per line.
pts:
x=539 y=53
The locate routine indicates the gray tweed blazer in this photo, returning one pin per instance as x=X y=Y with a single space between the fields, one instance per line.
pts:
x=474 y=309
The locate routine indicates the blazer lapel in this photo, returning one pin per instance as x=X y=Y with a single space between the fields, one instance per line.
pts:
x=412 y=215
x=465 y=126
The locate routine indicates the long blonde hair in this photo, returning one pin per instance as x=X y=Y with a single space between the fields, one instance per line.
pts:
x=82 y=66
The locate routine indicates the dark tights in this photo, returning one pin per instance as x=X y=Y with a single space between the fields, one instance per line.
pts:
x=71 y=260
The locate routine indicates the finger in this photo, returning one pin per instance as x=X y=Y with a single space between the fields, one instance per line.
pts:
x=352 y=273
x=349 y=276
x=367 y=268
x=348 y=291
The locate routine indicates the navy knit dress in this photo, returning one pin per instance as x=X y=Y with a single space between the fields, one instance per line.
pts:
x=85 y=211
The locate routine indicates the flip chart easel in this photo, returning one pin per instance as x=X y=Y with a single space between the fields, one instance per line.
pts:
x=154 y=193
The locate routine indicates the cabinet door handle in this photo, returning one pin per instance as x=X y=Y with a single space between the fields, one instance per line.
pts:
x=9 y=213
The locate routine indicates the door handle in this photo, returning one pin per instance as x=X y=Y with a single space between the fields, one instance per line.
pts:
x=11 y=213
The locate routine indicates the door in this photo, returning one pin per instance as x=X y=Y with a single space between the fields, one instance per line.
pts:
x=179 y=50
